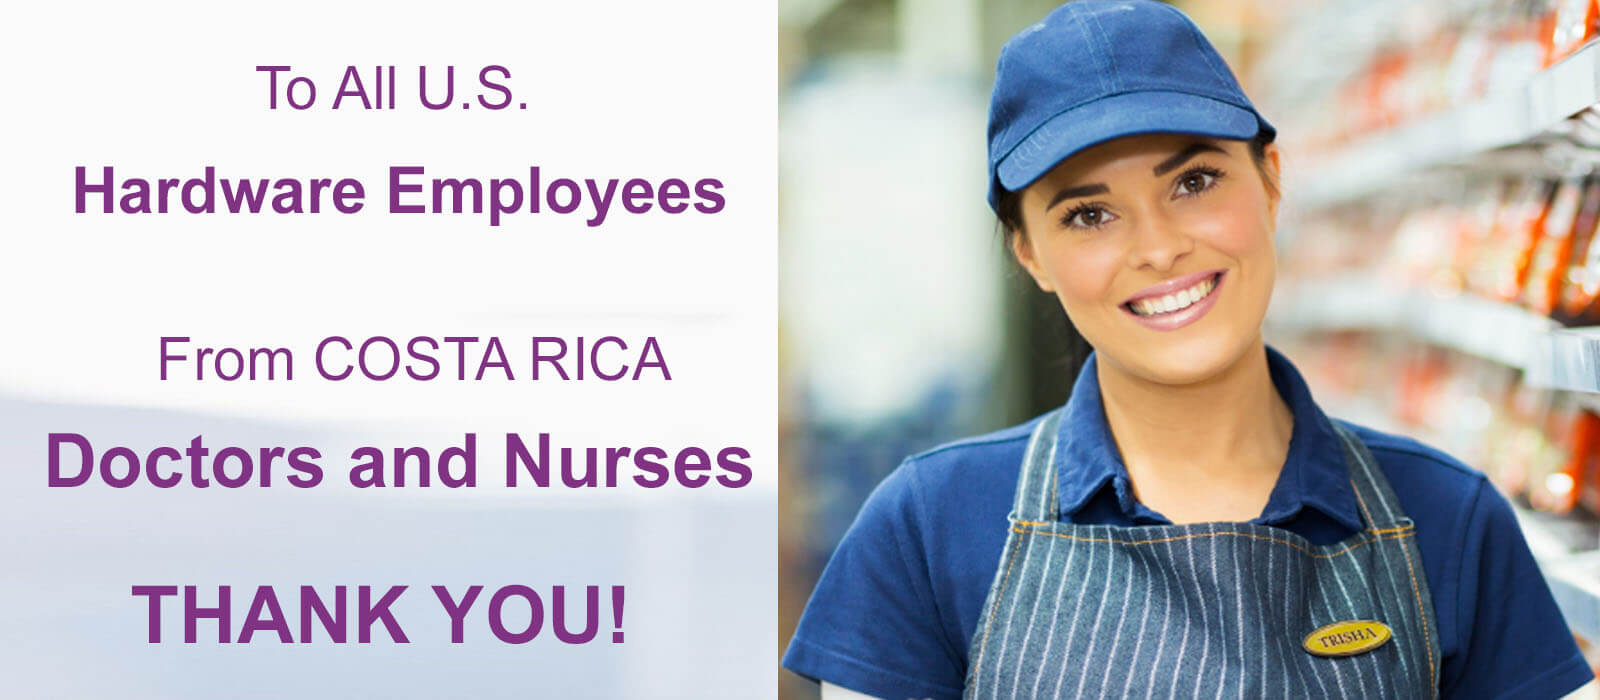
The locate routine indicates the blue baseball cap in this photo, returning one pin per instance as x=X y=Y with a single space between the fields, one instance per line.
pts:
x=1095 y=70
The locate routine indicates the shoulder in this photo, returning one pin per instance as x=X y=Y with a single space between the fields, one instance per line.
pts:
x=893 y=611
x=1000 y=450
x=1438 y=492
x=978 y=448
x=1420 y=472
x=949 y=486
x=1416 y=453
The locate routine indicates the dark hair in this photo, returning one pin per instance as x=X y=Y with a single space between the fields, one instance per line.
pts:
x=1009 y=204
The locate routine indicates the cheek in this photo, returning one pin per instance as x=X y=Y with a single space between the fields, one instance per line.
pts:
x=1237 y=226
x=1084 y=274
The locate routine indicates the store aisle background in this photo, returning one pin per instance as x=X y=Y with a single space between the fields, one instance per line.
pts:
x=1433 y=245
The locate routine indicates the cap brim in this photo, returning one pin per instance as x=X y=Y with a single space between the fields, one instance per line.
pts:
x=1127 y=114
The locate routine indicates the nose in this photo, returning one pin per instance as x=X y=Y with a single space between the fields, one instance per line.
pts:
x=1158 y=242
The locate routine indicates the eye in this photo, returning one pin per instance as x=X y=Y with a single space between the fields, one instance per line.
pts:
x=1088 y=216
x=1196 y=180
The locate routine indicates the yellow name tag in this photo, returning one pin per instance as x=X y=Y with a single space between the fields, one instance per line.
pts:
x=1347 y=638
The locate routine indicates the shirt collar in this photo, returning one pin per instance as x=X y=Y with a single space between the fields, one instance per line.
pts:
x=1314 y=472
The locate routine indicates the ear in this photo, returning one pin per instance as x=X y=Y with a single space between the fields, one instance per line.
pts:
x=1022 y=249
x=1274 y=172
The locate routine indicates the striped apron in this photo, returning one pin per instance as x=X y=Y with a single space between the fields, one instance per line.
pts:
x=1207 y=610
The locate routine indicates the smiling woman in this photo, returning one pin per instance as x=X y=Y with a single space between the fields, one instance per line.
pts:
x=1163 y=261
x=1134 y=229
x=1189 y=520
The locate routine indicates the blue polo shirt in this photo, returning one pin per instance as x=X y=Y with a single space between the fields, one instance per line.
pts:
x=895 y=610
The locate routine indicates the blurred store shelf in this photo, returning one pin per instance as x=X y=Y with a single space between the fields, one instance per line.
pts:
x=1566 y=359
x=1571 y=565
x=1575 y=583
x=1499 y=332
x=1509 y=117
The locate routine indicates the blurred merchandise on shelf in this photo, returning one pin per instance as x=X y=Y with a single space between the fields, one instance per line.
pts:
x=1425 y=57
x=1537 y=445
x=1523 y=238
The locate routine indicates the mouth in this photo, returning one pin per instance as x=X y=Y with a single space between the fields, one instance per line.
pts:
x=1177 y=302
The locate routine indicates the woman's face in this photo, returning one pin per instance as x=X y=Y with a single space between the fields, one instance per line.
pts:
x=1159 y=248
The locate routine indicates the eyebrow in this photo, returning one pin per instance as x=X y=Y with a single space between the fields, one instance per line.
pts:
x=1161 y=168
x=1075 y=192
x=1183 y=156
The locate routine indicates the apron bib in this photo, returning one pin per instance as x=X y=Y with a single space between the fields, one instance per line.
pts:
x=1208 y=610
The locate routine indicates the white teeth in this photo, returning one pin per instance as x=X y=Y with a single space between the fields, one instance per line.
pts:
x=1175 y=301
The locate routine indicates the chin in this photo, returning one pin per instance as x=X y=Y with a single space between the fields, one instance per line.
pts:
x=1185 y=360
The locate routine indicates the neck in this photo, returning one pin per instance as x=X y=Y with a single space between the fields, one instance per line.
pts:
x=1228 y=432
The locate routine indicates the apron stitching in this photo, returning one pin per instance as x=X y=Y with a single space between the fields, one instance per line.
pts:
x=1388 y=530
x=1405 y=551
x=1034 y=613
x=1044 y=504
x=1428 y=643
x=1011 y=560
x=1043 y=523
x=1363 y=502
x=1366 y=474
x=1016 y=546
x=1349 y=548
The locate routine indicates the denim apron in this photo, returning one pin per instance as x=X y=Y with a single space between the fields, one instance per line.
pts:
x=1208 y=610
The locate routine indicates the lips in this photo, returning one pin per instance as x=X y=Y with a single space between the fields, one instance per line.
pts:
x=1177 y=302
